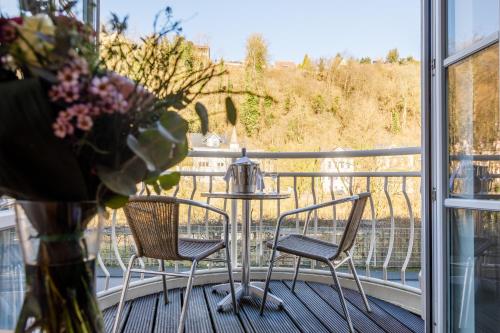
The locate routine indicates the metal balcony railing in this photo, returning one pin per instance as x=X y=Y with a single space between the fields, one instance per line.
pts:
x=387 y=252
x=388 y=245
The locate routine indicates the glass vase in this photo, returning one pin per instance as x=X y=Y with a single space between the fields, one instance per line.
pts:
x=60 y=243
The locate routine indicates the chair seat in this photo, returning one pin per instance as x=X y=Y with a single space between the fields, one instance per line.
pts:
x=196 y=249
x=306 y=247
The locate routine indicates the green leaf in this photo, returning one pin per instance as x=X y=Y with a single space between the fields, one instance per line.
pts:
x=157 y=188
x=124 y=180
x=202 y=113
x=117 y=201
x=168 y=181
x=231 y=112
x=173 y=126
x=178 y=155
x=152 y=147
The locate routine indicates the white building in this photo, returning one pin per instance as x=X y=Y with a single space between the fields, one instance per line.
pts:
x=336 y=165
x=214 y=143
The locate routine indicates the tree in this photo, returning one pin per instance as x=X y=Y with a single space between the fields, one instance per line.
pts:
x=365 y=60
x=322 y=62
x=392 y=56
x=257 y=55
x=306 y=64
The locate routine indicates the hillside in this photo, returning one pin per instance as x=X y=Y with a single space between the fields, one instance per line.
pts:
x=341 y=103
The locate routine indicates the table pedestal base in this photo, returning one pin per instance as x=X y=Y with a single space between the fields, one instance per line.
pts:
x=254 y=289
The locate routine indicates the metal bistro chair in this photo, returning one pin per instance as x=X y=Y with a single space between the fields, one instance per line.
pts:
x=329 y=253
x=154 y=222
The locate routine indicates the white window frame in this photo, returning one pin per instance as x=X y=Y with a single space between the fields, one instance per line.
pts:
x=441 y=202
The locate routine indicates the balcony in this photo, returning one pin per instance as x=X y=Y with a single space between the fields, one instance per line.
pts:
x=387 y=252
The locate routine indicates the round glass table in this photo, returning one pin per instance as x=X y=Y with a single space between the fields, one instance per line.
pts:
x=246 y=288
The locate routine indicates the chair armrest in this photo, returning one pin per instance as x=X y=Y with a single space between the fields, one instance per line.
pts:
x=308 y=209
x=210 y=208
x=203 y=205
x=317 y=206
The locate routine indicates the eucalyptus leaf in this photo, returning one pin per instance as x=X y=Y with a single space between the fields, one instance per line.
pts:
x=117 y=201
x=175 y=125
x=157 y=188
x=169 y=180
x=152 y=147
x=179 y=153
x=166 y=133
x=231 y=112
x=124 y=180
x=202 y=113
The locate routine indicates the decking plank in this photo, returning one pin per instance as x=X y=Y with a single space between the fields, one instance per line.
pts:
x=224 y=322
x=322 y=310
x=198 y=317
x=168 y=315
x=274 y=320
x=109 y=316
x=412 y=321
x=313 y=308
x=360 y=320
x=378 y=315
x=296 y=310
x=141 y=316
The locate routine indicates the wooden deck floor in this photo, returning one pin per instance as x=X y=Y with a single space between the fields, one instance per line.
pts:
x=313 y=308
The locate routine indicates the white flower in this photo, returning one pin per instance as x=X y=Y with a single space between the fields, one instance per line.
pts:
x=37 y=37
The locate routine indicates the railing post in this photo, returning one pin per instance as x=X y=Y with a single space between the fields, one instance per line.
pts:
x=392 y=231
x=234 y=228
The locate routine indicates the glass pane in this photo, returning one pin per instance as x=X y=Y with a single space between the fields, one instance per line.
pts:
x=470 y=21
x=474 y=280
x=473 y=116
x=11 y=278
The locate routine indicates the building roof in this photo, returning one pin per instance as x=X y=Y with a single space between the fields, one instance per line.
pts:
x=198 y=140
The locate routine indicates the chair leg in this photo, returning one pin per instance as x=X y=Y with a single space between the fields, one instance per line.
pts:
x=358 y=283
x=231 y=281
x=124 y=293
x=296 y=273
x=186 y=297
x=268 y=279
x=164 y=281
x=341 y=296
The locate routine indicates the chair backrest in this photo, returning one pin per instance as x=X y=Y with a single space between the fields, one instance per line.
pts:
x=154 y=222
x=351 y=229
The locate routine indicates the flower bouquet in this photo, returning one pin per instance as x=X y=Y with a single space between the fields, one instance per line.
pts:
x=81 y=124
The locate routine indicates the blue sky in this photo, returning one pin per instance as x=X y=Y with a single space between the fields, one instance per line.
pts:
x=320 y=28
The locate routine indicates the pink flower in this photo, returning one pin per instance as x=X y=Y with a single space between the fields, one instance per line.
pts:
x=124 y=85
x=120 y=104
x=62 y=127
x=64 y=116
x=55 y=93
x=70 y=93
x=84 y=123
x=59 y=129
x=80 y=65
x=94 y=111
x=101 y=87
x=106 y=106
x=68 y=76
x=79 y=110
x=129 y=89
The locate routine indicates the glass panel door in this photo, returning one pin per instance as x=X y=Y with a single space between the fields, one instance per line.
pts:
x=470 y=21
x=474 y=272
x=472 y=162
